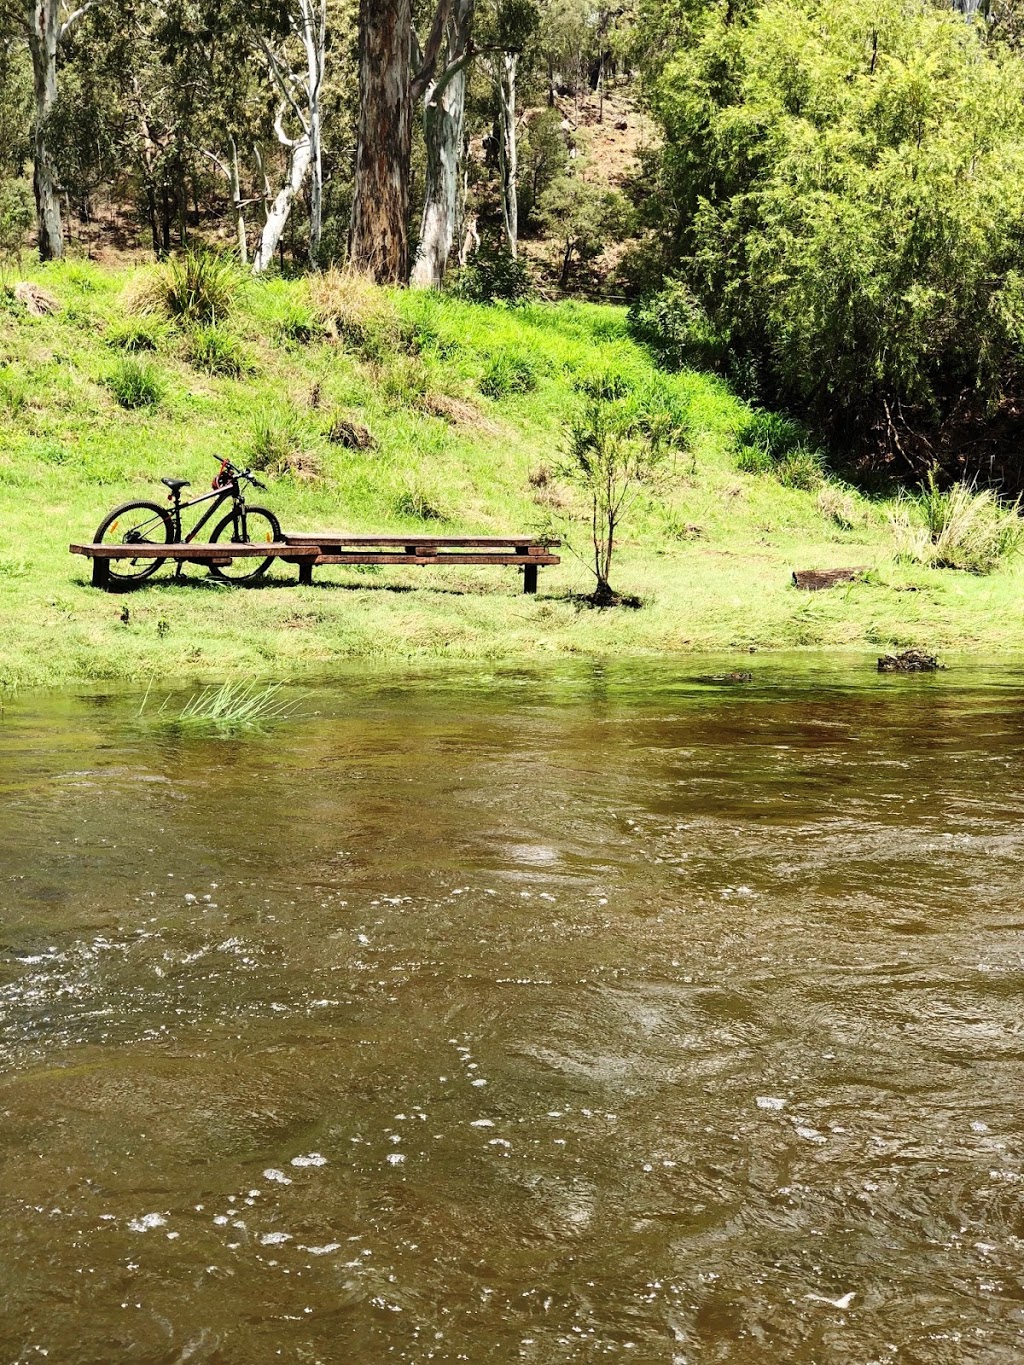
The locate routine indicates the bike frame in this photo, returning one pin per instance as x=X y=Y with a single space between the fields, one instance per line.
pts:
x=232 y=492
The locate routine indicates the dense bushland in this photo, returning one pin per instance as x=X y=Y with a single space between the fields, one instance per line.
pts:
x=844 y=182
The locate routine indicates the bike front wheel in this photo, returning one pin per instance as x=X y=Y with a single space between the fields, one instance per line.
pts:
x=249 y=527
x=135 y=523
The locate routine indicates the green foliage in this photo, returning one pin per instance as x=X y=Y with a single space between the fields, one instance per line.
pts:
x=618 y=442
x=769 y=443
x=278 y=439
x=194 y=289
x=677 y=329
x=543 y=157
x=135 y=383
x=583 y=218
x=492 y=276
x=17 y=212
x=844 y=183
x=961 y=527
x=13 y=392
x=218 y=352
x=508 y=372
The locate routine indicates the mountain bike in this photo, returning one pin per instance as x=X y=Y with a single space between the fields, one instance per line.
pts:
x=147 y=523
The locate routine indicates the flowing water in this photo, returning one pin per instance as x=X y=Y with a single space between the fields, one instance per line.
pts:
x=544 y=1015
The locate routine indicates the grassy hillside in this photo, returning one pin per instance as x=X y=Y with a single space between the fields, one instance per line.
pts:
x=465 y=405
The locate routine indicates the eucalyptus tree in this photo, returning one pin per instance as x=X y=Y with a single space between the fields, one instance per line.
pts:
x=44 y=25
x=511 y=24
x=395 y=72
x=444 y=118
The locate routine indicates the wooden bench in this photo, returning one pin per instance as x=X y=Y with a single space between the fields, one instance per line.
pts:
x=334 y=547
x=188 y=552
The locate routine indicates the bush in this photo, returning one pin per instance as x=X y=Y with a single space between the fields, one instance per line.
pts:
x=135 y=384
x=218 y=352
x=492 y=276
x=17 y=213
x=508 y=372
x=962 y=527
x=678 y=330
x=840 y=189
x=194 y=289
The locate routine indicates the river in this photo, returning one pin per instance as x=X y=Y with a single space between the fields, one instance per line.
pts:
x=518 y=1014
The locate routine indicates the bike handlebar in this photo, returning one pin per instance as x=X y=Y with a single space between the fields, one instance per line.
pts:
x=240 y=473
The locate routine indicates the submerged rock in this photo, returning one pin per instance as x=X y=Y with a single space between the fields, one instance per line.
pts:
x=909 y=661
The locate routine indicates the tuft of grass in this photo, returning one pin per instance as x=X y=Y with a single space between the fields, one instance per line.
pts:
x=230 y=709
x=13 y=392
x=135 y=384
x=802 y=468
x=961 y=527
x=135 y=335
x=218 y=352
x=279 y=446
x=363 y=318
x=508 y=373
x=838 y=506
x=417 y=503
x=195 y=289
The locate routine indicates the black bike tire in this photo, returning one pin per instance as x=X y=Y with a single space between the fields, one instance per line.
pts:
x=151 y=566
x=227 y=523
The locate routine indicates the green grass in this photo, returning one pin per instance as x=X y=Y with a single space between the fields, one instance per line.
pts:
x=710 y=555
x=230 y=709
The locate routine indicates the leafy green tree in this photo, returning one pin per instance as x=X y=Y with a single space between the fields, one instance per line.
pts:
x=582 y=218
x=842 y=185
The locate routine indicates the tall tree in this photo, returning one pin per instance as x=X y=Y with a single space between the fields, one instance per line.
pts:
x=444 y=117
x=389 y=85
x=44 y=24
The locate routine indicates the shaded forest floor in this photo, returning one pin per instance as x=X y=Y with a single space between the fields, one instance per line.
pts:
x=455 y=449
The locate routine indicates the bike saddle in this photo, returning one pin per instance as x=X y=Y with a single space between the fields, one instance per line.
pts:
x=175 y=484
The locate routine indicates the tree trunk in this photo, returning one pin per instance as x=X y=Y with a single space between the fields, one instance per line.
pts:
x=43 y=40
x=508 y=147
x=379 y=240
x=299 y=157
x=444 y=117
x=237 y=209
x=314 y=40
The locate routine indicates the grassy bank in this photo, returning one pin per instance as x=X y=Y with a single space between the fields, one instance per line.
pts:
x=465 y=407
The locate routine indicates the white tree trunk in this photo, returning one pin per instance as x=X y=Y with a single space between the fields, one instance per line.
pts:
x=444 y=118
x=44 y=34
x=313 y=30
x=443 y=124
x=237 y=205
x=299 y=157
x=508 y=147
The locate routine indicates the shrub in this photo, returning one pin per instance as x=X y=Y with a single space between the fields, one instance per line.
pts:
x=218 y=352
x=492 y=276
x=508 y=372
x=677 y=329
x=962 y=527
x=135 y=384
x=194 y=289
x=840 y=191
x=17 y=212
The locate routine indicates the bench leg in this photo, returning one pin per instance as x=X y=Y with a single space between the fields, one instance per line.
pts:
x=306 y=573
x=101 y=574
x=529 y=578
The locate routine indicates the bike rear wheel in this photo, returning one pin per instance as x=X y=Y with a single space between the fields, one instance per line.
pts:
x=250 y=527
x=135 y=523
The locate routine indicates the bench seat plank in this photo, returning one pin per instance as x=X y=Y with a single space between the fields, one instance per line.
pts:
x=338 y=538
x=198 y=550
x=370 y=557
